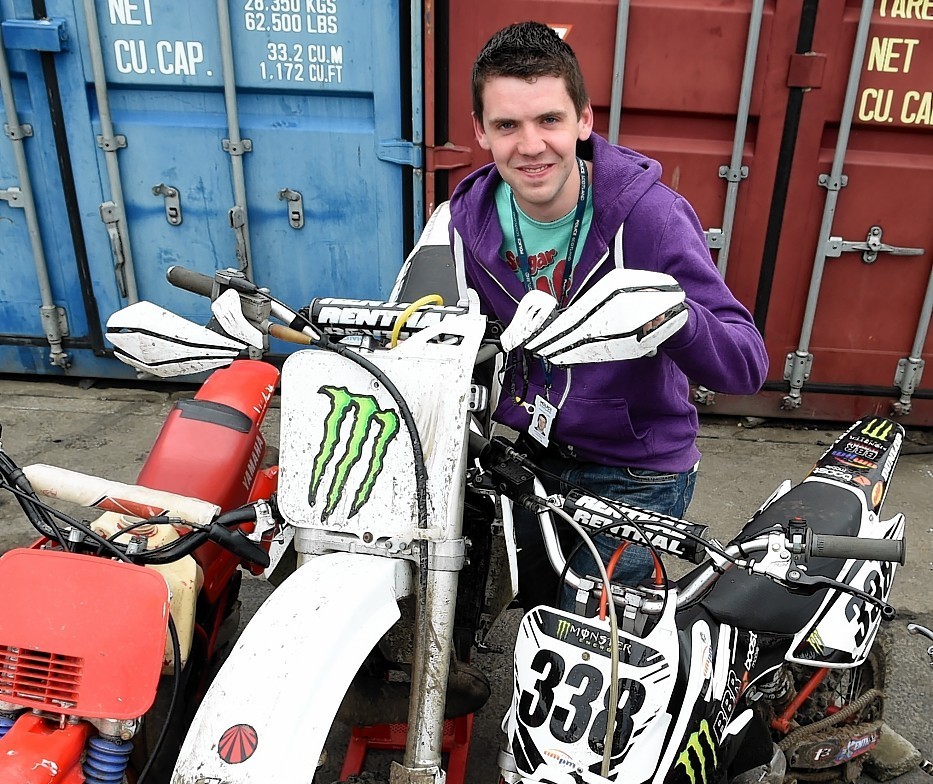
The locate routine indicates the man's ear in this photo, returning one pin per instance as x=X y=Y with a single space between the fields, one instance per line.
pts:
x=585 y=122
x=480 y=131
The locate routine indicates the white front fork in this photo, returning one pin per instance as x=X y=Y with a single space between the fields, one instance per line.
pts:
x=430 y=670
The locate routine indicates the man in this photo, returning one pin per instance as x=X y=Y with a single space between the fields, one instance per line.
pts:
x=549 y=213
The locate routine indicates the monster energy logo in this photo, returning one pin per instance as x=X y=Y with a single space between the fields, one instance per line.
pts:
x=563 y=627
x=816 y=642
x=878 y=428
x=699 y=742
x=365 y=417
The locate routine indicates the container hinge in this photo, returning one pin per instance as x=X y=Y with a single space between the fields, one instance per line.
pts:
x=796 y=371
x=112 y=143
x=295 y=207
x=55 y=325
x=13 y=196
x=110 y=215
x=833 y=183
x=172 y=202
x=35 y=35
x=401 y=152
x=715 y=238
x=239 y=148
x=17 y=132
x=907 y=378
x=872 y=246
x=448 y=156
x=238 y=223
x=733 y=175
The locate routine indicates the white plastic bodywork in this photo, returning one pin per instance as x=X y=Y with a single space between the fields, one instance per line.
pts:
x=842 y=630
x=625 y=315
x=291 y=667
x=156 y=341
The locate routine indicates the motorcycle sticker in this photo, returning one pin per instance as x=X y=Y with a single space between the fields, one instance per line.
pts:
x=371 y=429
x=238 y=744
x=699 y=755
x=560 y=705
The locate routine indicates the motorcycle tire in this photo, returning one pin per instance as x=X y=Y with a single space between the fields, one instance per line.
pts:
x=843 y=714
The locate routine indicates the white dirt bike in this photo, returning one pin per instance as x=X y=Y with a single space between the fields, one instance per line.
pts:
x=383 y=448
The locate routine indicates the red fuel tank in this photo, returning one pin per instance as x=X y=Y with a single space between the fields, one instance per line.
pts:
x=210 y=447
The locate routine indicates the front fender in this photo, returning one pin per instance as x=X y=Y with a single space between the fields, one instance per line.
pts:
x=267 y=714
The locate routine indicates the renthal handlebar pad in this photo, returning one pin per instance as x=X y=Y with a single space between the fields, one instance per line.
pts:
x=829 y=546
x=337 y=316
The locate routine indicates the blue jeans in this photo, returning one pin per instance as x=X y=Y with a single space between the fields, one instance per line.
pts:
x=667 y=493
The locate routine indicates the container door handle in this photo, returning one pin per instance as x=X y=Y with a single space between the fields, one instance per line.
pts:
x=870 y=248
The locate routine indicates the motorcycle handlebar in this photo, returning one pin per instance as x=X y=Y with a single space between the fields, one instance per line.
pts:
x=829 y=546
x=189 y=280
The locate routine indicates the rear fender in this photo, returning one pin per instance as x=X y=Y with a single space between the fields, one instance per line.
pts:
x=267 y=714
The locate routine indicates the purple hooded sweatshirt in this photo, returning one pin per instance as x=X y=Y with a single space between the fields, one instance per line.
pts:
x=634 y=413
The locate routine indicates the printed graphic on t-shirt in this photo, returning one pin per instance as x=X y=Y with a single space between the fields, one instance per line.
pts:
x=546 y=243
x=548 y=276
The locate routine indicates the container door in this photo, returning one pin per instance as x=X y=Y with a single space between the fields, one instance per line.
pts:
x=266 y=135
x=867 y=226
x=45 y=295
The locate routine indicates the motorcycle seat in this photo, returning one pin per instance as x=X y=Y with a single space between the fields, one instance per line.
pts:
x=751 y=601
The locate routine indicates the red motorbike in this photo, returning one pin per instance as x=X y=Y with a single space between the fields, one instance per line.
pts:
x=112 y=630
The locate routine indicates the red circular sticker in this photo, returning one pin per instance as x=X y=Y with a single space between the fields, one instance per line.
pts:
x=877 y=493
x=238 y=744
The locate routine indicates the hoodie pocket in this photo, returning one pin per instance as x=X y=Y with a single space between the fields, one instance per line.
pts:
x=602 y=430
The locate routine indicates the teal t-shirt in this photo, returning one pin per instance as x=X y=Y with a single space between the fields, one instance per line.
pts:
x=546 y=243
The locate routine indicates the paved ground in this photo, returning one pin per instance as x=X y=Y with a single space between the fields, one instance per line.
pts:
x=107 y=430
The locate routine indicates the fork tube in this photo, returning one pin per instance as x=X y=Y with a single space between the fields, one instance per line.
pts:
x=430 y=669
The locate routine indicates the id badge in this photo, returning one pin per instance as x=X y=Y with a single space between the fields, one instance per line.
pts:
x=542 y=420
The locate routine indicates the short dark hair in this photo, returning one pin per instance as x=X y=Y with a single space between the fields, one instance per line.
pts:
x=527 y=50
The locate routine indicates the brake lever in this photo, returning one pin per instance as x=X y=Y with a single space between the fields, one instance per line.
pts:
x=797 y=577
x=783 y=566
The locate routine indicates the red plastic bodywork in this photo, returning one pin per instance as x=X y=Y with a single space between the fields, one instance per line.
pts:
x=215 y=462
x=37 y=751
x=89 y=643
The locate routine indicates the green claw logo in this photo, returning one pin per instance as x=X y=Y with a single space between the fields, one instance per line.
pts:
x=366 y=418
x=702 y=737
x=878 y=428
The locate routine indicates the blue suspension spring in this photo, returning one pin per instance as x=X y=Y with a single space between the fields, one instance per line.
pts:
x=106 y=761
x=6 y=724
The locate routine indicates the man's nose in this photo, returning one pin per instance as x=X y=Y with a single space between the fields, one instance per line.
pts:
x=530 y=142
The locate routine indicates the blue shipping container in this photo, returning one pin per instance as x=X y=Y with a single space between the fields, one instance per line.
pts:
x=275 y=136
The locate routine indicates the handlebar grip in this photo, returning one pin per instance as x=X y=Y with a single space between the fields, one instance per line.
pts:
x=239 y=544
x=829 y=546
x=189 y=280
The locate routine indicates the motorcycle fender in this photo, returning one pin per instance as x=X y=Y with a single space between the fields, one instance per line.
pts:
x=267 y=714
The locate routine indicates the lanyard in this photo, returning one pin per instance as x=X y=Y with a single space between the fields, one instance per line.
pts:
x=522 y=256
x=525 y=267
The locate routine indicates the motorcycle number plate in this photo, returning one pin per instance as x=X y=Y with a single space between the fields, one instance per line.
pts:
x=559 y=715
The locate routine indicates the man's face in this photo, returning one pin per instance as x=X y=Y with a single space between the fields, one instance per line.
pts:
x=532 y=129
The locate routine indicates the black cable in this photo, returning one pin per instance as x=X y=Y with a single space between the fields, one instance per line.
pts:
x=83 y=527
x=14 y=479
x=176 y=689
